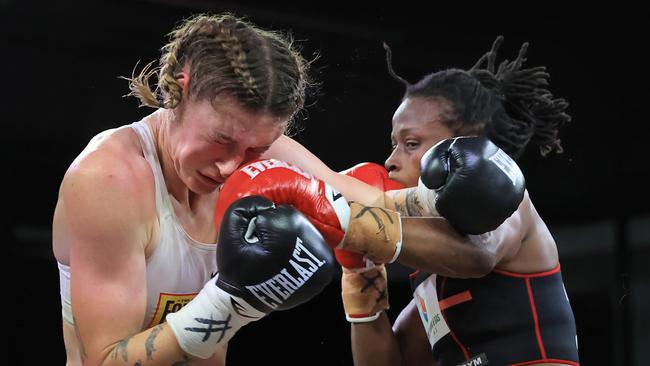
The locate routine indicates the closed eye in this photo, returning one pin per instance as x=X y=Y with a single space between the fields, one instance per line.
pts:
x=221 y=139
x=259 y=150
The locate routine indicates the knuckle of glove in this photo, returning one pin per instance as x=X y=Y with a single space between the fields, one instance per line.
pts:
x=485 y=188
x=292 y=261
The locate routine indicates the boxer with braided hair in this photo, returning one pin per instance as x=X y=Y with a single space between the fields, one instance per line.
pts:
x=133 y=228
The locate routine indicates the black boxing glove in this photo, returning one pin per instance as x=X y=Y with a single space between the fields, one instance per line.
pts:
x=269 y=258
x=272 y=257
x=477 y=185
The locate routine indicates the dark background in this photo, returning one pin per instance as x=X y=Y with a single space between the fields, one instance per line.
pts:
x=60 y=64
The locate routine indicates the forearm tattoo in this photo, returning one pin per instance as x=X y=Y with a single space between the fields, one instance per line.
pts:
x=413 y=205
x=148 y=344
x=407 y=203
x=122 y=349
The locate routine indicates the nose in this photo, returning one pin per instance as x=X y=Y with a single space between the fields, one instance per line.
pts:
x=391 y=163
x=228 y=166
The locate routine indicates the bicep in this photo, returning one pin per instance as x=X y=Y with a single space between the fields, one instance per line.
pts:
x=108 y=277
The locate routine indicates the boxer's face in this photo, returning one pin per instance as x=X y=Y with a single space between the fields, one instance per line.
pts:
x=416 y=127
x=209 y=141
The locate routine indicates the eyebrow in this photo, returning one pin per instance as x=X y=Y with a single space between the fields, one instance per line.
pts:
x=402 y=132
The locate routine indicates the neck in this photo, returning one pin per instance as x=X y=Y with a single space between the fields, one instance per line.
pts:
x=160 y=123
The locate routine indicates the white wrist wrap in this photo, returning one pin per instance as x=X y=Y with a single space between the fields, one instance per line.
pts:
x=427 y=198
x=210 y=320
x=340 y=204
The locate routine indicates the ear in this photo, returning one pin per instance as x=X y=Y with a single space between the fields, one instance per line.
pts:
x=183 y=79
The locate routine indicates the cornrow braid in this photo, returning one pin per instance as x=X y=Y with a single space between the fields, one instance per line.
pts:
x=226 y=56
x=235 y=53
x=172 y=90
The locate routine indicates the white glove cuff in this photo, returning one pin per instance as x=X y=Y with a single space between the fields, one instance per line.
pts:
x=427 y=198
x=366 y=319
x=340 y=204
x=398 y=245
x=210 y=320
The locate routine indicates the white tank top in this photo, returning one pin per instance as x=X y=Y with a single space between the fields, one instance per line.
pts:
x=179 y=266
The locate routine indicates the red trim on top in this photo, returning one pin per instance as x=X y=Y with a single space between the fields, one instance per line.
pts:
x=454 y=300
x=451 y=332
x=533 y=308
x=546 y=360
x=529 y=275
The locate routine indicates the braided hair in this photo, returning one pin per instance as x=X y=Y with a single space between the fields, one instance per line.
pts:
x=227 y=56
x=510 y=105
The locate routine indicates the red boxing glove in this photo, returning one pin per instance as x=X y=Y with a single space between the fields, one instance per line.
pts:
x=284 y=183
x=377 y=176
x=373 y=174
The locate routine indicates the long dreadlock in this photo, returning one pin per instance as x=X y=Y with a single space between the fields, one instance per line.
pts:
x=511 y=105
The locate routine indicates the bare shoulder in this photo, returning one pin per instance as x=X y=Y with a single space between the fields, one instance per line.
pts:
x=113 y=159
x=108 y=186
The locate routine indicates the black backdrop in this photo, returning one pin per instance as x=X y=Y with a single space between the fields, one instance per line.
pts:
x=60 y=64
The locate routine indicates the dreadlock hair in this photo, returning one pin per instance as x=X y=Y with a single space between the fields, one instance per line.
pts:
x=508 y=104
x=227 y=56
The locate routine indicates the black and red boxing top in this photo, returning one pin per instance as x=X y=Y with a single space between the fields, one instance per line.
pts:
x=503 y=318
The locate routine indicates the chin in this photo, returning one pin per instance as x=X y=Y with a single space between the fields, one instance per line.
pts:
x=408 y=183
x=198 y=187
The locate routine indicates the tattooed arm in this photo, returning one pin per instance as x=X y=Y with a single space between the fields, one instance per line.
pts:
x=106 y=214
x=429 y=242
x=407 y=202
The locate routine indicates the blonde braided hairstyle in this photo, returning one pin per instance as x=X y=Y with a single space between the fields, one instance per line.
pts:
x=227 y=56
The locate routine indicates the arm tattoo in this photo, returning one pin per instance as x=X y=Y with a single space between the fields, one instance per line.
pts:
x=401 y=208
x=148 y=344
x=413 y=205
x=408 y=203
x=122 y=349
